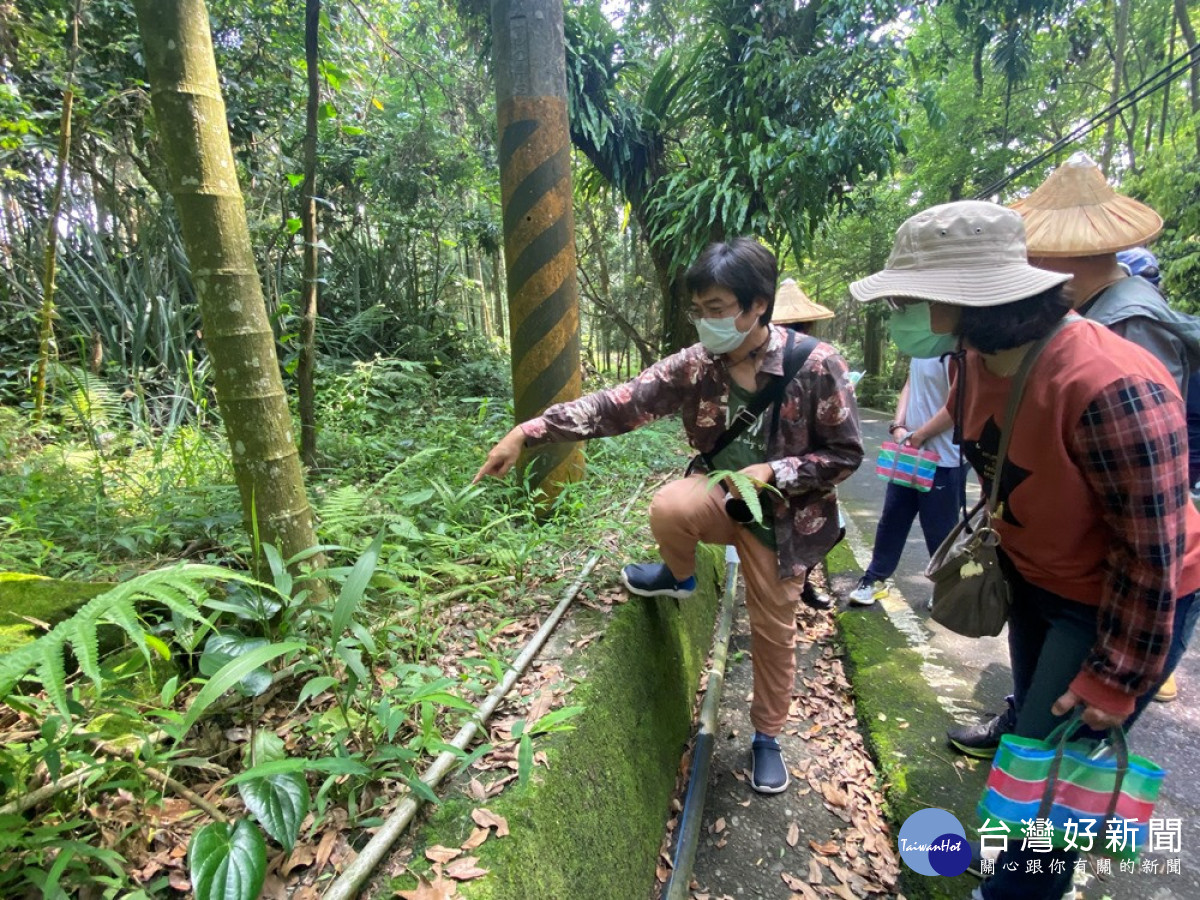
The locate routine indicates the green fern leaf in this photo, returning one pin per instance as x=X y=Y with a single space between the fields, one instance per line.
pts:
x=180 y=588
x=54 y=676
x=86 y=644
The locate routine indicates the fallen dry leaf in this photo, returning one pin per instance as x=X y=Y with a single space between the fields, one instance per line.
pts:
x=325 y=848
x=835 y=796
x=465 y=869
x=718 y=826
x=179 y=881
x=814 y=872
x=791 y=880
x=793 y=835
x=301 y=856
x=828 y=848
x=485 y=818
x=439 y=854
x=478 y=836
x=438 y=889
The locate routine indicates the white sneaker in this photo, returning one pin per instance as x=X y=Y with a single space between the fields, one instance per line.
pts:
x=868 y=591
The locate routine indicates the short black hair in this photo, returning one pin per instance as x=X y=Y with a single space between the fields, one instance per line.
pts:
x=743 y=266
x=990 y=329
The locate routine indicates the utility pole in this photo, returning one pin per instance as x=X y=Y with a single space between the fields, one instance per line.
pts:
x=539 y=225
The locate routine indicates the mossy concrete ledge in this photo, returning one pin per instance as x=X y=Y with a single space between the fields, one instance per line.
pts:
x=26 y=597
x=905 y=728
x=591 y=824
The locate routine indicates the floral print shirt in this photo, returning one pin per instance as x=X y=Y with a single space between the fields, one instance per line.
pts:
x=818 y=444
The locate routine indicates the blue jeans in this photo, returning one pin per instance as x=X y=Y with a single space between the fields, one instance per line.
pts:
x=939 y=509
x=1049 y=637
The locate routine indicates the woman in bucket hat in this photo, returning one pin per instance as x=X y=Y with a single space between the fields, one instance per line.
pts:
x=1097 y=538
x=1076 y=224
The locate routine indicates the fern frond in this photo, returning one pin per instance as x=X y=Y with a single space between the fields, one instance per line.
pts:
x=54 y=676
x=341 y=513
x=180 y=588
x=86 y=644
x=122 y=613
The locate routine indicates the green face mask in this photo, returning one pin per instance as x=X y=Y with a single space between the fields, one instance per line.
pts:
x=913 y=335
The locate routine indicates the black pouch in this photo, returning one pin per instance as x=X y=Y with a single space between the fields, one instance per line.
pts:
x=735 y=507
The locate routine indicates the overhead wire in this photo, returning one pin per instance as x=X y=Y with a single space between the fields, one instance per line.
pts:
x=1152 y=83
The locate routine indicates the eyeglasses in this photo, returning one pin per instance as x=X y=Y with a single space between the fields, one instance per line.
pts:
x=895 y=304
x=696 y=313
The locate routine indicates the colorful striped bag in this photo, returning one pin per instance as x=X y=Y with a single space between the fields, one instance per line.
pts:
x=909 y=466
x=1095 y=801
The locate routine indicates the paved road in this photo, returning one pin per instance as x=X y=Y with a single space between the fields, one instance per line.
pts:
x=971 y=677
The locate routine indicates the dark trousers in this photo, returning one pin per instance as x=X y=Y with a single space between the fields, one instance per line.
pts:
x=939 y=509
x=1049 y=637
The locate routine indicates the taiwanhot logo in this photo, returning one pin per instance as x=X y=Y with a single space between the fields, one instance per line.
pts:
x=933 y=842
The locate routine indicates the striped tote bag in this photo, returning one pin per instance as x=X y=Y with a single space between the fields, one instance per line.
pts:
x=1079 y=795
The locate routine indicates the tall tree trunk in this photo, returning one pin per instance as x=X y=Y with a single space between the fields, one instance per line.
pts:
x=1189 y=36
x=1120 y=40
x=50 y=260
x=604 y=302
x=539 y=229
x=677 y=329
x=1166 y=98
x=500 y=307
x=306 y=366
x=195 y=138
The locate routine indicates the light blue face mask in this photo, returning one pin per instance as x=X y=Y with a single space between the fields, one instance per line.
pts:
x=721 y=335
x=913 y=335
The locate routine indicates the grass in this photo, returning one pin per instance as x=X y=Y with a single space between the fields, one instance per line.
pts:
x=106 y=498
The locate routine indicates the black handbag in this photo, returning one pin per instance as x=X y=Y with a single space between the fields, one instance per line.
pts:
x=971 y=595
x=794 y=356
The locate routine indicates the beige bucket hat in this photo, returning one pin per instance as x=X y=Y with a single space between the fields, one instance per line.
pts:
x=1076 y=213
x=969 y=253
x=792 y=305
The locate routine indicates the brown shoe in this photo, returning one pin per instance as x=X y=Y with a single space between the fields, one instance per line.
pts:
x=1168 y=691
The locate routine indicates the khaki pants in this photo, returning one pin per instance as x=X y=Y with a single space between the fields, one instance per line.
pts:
x=682 y=514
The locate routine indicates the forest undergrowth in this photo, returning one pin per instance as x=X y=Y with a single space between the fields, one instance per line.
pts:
x=206 y=725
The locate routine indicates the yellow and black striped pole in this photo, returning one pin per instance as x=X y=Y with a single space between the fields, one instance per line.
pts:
x=539 y=226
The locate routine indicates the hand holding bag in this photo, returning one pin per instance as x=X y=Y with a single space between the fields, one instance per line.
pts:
x=970 y=593
x=906 y=465
x=1109 y=798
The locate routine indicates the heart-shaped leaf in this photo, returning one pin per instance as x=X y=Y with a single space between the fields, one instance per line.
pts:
x=279 y=802
x=227 y=862
x=221 y=649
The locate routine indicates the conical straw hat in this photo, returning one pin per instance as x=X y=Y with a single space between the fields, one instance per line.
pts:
x=792 y=305
x=1076 y=213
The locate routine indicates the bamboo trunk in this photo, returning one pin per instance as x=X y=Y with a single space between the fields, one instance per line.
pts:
x=46 y=324
x=306 y=364
x=192 y=127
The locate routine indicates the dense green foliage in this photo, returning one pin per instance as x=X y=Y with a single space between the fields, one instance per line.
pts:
x=817 y=127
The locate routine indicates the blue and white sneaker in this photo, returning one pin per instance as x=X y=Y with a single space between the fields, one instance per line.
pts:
x=656 y=580
x=768 y=773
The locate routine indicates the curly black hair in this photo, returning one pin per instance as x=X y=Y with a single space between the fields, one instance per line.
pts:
x=990 y=329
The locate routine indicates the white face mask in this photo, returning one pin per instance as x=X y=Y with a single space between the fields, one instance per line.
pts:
x=721 y=335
